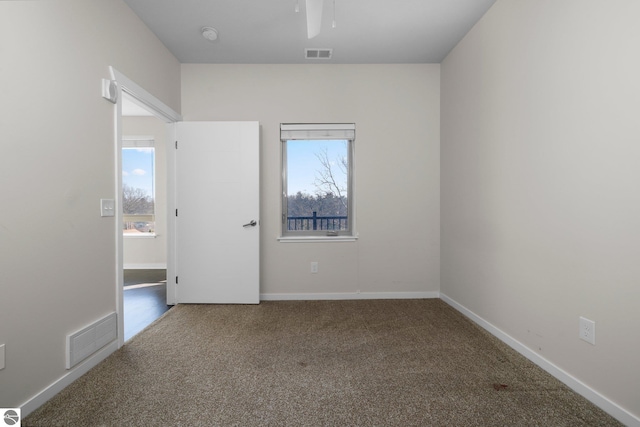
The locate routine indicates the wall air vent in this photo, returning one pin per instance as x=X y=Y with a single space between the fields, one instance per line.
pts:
x=87 y=341
x=315 y=53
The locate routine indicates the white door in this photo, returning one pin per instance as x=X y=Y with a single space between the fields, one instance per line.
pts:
x=217 y=223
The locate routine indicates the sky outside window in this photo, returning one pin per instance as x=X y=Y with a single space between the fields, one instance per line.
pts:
x=303 y=165
x=138 y=168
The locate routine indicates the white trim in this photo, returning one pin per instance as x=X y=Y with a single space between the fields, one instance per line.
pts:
x=119 y=255
x=140 y=236
x=148 y=101
x=349 y=296
x=56 y=387
x=156 y=266
x=572 y=382
x=316 y=239
x=143 y=285
x=171 y=217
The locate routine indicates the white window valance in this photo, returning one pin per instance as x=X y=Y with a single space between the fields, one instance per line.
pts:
x=317 y=131
x=138 y=141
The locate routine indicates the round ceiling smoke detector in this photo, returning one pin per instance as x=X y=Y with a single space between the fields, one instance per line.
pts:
x=210 y=33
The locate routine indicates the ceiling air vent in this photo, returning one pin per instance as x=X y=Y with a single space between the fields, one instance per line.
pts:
x=318 y=53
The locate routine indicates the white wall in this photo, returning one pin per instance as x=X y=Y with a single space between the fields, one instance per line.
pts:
x=150 y=252
x=540 y=174
x=396 y=112
x=57 y=255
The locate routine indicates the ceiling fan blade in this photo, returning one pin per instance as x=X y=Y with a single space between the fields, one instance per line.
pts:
x=314 y=17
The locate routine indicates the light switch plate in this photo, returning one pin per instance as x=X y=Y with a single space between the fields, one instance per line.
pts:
x=107 y=207
x=1 y=356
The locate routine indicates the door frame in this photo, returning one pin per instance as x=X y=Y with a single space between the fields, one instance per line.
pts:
x=168 y=115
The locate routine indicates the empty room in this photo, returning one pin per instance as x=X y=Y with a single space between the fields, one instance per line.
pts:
x=411 y=212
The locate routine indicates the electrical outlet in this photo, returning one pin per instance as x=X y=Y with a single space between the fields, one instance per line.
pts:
x=587 y=330
x=314 y=267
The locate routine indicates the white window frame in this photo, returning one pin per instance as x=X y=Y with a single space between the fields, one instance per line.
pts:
x=142 y=141
x=341 y=131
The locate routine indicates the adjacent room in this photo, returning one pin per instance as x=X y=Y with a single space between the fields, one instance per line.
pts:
x=144 y=217
x=479 y=166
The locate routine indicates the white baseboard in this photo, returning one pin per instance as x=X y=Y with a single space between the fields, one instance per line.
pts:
x=41 y=398
x=349 y=296
x=572 y=382
x=145 y=266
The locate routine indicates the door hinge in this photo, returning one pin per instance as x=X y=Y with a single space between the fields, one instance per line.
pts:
x=176 y=212
x=176 y=145
x=176 y=280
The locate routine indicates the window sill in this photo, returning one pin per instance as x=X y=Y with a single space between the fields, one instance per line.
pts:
x=316 y=239
x=140 y=236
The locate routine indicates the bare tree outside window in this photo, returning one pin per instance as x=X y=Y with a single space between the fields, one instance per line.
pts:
x=136 y=201
x=138 y=183
x=331 y=178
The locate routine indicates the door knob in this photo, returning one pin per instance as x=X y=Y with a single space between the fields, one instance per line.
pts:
x=253 y=223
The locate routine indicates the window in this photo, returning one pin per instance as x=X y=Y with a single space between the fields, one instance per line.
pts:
x=317 y=180
x=138 y=186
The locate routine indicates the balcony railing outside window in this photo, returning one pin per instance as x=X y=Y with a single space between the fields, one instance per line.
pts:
x=316 y=222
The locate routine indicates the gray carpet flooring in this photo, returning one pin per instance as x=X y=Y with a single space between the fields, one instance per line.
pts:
x=317 y=363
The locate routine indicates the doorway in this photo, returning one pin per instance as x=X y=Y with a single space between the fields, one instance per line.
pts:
x=144 y=206
x=141 y=117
